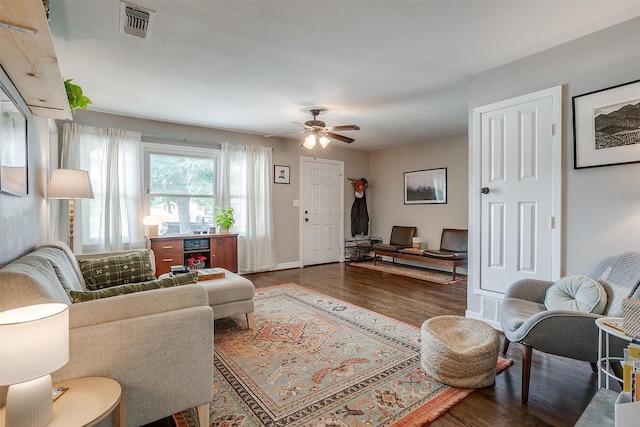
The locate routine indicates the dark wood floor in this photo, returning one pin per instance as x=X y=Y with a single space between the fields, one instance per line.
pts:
x=560 y=388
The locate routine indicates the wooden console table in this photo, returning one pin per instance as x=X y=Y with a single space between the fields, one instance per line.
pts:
x=221 y=250
x=453 y=263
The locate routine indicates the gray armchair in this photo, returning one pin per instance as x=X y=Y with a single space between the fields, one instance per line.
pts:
x=573 y=334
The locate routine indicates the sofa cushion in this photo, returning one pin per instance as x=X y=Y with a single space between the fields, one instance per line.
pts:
x=65 y=269
x=182 y=279
x=117 y=270
x=29 y=280
x=577 y=293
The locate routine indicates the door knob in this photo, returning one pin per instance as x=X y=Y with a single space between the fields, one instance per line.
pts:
x=484 y=190
x=306 y=219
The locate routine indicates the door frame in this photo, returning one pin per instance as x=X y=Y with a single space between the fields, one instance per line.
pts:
x=475 y=183
x=340 y=163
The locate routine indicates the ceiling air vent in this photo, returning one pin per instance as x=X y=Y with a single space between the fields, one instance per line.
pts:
x=135 y=20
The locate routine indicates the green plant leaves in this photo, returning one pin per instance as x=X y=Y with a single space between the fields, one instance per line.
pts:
x=75 y=96
x=224 y=218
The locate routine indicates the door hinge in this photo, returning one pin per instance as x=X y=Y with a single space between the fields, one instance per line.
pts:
x=553 y=129
x=553 y=222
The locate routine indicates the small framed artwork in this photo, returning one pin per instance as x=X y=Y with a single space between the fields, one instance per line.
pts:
x=428 y=186
x=13 y=147
x=281 y=174
x=606 y=126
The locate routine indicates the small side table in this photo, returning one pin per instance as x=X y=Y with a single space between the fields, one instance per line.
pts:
x=87 y=402
x=605 y=331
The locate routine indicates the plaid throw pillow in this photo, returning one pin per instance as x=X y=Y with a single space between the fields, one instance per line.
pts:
x=117 y=270
x=182 y=279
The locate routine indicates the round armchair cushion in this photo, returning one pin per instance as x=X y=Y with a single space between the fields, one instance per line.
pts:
x=577 y=293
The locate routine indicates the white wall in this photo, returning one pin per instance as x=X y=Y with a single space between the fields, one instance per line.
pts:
x=601 y=206
x=23 y=220
x=386 y=195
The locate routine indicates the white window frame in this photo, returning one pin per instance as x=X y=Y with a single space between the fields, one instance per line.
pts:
x=171 y=149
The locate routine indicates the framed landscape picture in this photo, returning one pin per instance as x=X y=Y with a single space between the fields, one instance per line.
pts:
x=606 y=126
x=428 y=186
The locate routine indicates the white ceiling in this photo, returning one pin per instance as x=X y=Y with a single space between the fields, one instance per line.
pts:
x=398 y=69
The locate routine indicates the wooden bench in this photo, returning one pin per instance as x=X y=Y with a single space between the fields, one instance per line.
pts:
x=453 y=263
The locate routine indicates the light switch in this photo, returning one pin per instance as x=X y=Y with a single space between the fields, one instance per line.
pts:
x=296 y=202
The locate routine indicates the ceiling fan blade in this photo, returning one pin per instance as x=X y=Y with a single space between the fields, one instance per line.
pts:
x=343 y=127
x=340 y=137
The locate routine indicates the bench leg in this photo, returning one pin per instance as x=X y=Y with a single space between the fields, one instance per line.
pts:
x=454 y=272
x=250 y=320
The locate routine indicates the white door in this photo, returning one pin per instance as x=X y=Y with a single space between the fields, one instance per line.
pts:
x=519 y=190
x=321 y=211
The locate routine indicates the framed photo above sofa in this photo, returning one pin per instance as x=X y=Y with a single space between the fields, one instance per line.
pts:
x=13 y=147
x=606 y=126
x=427 y=186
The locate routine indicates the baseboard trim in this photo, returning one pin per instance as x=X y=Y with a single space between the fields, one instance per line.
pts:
x=478 y=316
x=287 y=265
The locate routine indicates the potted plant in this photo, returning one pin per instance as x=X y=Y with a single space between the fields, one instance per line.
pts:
x=224 y=219
x=75 y=96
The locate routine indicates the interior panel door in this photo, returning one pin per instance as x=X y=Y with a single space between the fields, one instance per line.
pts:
x=516 y=204
x=321 y=211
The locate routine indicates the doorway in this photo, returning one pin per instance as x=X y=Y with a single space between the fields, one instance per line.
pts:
x=515 y=217
x=321 y=211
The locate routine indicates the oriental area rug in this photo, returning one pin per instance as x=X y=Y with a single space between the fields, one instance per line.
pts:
x=315 y=361
x=428 y=275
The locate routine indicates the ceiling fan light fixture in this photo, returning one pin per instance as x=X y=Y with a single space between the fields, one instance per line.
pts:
x=324 y=141
x=309 y=142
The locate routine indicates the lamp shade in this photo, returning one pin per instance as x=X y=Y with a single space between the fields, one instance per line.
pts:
x=70 y=184
x=34 y=342
x=152 y=220
x=309 y=142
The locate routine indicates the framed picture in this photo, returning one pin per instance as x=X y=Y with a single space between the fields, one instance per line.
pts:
x=426 y=186
x=606 y=126
x=13 y=147
x=281 y=174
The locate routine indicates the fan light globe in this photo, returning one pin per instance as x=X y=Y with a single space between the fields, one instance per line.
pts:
x=324 y=141
x=309 y=142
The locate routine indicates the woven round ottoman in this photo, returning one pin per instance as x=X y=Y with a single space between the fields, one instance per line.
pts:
x=460 y=352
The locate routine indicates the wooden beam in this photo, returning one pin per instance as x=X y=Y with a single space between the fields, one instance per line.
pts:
x=30 y=60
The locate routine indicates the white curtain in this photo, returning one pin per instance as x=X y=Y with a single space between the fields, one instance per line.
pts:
x=245 y=185
x=111 y=221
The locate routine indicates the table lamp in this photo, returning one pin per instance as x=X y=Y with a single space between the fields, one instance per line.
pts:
x=416 y=242
x=34 y=341
x=152 y=222
x=70 y=184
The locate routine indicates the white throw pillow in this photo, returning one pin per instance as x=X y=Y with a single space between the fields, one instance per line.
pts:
x=576 y=293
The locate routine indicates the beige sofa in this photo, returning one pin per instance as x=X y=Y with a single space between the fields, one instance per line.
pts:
x=157 y=344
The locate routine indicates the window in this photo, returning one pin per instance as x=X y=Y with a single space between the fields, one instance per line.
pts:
x=181 y=187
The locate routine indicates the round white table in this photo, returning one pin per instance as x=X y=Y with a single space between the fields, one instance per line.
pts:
x=87 y=402
x=605 y=331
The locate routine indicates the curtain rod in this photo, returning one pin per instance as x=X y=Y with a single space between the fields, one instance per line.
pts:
x=170 y=140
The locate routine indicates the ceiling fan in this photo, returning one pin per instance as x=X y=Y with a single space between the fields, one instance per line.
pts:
x=319 y=132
